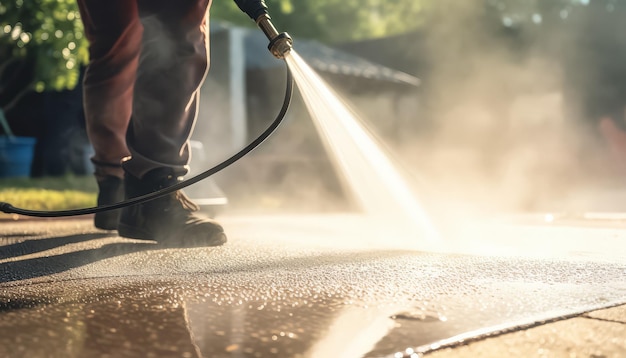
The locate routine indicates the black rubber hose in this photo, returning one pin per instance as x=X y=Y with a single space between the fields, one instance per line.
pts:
x=10 y=209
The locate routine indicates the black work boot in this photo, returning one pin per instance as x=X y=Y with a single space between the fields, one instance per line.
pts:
x=170 y=220
x=110 y=191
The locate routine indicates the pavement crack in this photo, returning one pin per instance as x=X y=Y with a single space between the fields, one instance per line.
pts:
x=603 y=319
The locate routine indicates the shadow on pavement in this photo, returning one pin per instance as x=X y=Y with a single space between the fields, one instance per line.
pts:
x=34 y=246
x=29 y=259
x=96 y=247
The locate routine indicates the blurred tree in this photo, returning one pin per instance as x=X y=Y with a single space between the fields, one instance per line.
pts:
x=516 y=13
x=345 y=20
x=334 y=20
x=587 y=37
x=42 y=47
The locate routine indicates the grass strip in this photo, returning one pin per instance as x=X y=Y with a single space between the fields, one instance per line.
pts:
x=52 y=193
x=45 y=199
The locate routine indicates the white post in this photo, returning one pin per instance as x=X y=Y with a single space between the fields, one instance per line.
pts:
x=237 y=57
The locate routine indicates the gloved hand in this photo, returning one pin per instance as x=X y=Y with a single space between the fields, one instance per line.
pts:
x=254 y=8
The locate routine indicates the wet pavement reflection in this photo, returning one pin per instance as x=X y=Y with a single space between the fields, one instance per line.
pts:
x=288 y=302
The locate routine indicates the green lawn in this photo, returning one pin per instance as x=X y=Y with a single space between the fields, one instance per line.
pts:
x=62 y=193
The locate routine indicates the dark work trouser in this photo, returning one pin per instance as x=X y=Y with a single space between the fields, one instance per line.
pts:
x=148 y=59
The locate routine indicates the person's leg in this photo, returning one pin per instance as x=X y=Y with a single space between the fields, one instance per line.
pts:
x=172 y=66
x=114 y=33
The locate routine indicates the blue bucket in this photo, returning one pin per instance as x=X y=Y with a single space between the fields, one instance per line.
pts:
x=16 y=156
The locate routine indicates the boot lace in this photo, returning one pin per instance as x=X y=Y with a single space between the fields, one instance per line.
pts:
x=185 y=201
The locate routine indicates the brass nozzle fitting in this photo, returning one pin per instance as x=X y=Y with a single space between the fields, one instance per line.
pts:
x=280 y=43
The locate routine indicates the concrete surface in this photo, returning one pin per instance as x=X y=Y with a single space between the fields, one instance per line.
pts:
x=314 y=286
x=582 y=336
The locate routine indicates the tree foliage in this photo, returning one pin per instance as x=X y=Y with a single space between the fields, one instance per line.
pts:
x=516 y=13
x=345 y=20
x=46 y=34
x=334 y=20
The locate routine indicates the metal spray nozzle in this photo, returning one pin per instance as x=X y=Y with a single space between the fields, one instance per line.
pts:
x=280 y=43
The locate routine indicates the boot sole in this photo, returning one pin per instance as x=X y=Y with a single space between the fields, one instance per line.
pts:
x=132 y=232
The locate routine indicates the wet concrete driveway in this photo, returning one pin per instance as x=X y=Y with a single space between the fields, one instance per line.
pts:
x=291 y=286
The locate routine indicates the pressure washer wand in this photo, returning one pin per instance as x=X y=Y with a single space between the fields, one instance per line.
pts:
x=280 y=43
